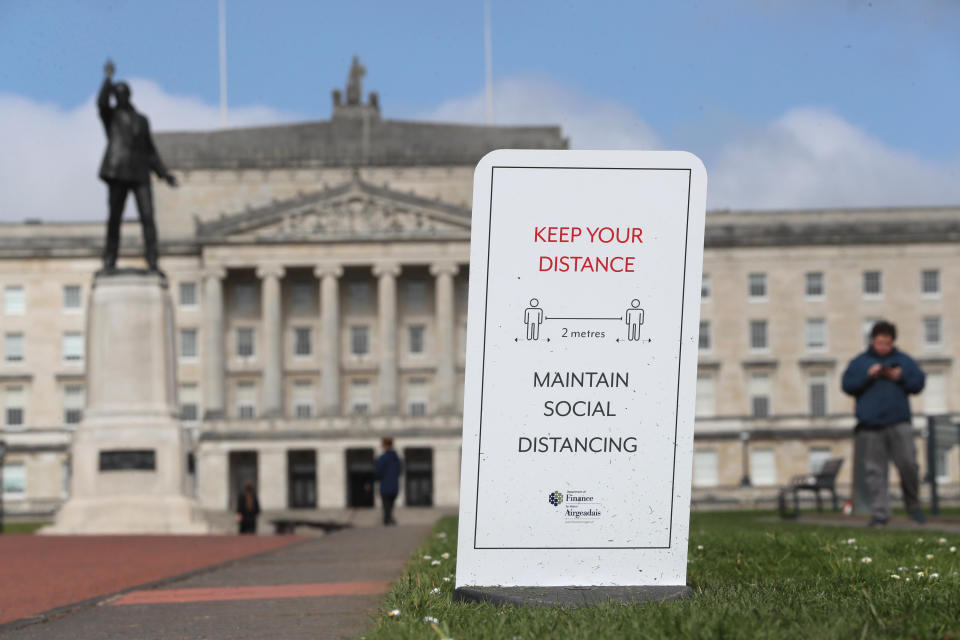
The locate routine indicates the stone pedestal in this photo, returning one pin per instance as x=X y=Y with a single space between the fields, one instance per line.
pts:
x=128 y=457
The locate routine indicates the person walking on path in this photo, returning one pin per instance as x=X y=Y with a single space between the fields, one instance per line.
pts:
x=248 y=508
x=389 y=467
x=880 y=379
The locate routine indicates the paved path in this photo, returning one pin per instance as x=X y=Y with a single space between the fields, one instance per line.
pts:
x=325 y=587
x=39 y=573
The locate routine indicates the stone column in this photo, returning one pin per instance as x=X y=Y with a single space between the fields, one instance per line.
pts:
x=214 y=363
x=330 y=337
x=271 y=313
x=386 y=274
x=272 y=478
x=444 y=301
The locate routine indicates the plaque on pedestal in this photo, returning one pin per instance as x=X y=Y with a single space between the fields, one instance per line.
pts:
x=128 y=457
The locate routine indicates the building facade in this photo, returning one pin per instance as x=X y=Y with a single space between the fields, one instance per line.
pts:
x=318 y=273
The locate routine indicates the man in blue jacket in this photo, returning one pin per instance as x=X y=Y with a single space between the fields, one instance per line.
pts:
x=389 y=468
x=880 y=379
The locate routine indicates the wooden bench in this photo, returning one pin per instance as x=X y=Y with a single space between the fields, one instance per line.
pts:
x=287 y=525
x=825 y=479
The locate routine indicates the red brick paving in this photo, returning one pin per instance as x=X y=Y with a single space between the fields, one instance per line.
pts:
x=39 y=573
x=212 y=594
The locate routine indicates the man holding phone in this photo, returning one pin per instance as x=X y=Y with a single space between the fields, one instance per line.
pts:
x=880 y=379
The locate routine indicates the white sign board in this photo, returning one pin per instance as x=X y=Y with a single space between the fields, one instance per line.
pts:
x=585 y=273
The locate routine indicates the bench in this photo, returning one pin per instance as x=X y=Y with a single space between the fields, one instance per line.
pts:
x=825 y=479
x=282 y=526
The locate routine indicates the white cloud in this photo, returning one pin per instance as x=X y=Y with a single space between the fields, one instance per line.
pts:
x=813 y=158
x=50 y=158
x=589 y=122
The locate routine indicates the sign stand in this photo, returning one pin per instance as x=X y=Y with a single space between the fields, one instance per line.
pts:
x=582 y=348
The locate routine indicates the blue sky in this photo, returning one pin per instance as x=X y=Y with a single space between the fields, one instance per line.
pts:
x=752 y=86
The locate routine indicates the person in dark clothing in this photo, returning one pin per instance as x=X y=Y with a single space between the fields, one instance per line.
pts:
x=880 y=379
x=389 y=468
x=248 y=507
x=127 y=162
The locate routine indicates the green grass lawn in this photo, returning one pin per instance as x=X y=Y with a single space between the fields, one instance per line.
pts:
x=22 y=527
x=752 y=576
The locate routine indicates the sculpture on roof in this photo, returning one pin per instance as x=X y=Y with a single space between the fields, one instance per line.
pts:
x=127 y=162
x=355 y=82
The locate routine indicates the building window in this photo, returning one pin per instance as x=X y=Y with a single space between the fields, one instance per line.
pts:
x=14 y=481
x=704 y=340
x=817 y=386
x=932 y=334
x=73 y=346
x=415 y=295
x=71 y=297
x=72 y=404
x=13 y=347
x=817 y=457
x=14 y=300
x=13 y=400
x=705 y=287
x=763 y=467
x=245 y=342
x=706 y=402
x=302 y=341
x=417 y=397
x=188 y=294
x=189 y=403
x=930 y=282
x=758 y=335
x=188 y=344
x=416 y=333
x=814 y=284
x=244 y=298
x=935 y=393
x=360 y=396
x=360 y=296
x=302 y=297
x=872 y=283
x=759 y=390
x=359 y=340
x=705 y=468
x=246 y=400
x=816 y=334
x=303 y=399
x=757 y=286
x=867 y=327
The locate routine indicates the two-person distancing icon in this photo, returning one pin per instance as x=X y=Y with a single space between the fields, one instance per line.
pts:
x=533 y=317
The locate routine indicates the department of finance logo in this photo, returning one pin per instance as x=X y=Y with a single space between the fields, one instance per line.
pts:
x=555 y=498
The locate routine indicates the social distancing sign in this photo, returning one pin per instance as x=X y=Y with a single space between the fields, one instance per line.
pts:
x=581 y=368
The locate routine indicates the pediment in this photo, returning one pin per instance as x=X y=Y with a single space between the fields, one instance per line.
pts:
x=353 y=211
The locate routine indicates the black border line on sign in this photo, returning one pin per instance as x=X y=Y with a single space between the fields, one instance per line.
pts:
x=483 y=365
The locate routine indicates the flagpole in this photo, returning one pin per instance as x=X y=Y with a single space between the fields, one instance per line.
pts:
x=223 y=63
x=488 y=59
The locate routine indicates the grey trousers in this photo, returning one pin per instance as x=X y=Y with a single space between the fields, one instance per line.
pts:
x=878 y=447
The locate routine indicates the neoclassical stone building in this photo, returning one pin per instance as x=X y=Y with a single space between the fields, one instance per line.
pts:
x=318 y=273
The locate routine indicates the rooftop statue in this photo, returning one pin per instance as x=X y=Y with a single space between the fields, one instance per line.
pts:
x=355 y=82
x=127 y=162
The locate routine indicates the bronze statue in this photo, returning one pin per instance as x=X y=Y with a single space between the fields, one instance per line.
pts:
x=126 y=166
x=355 y=82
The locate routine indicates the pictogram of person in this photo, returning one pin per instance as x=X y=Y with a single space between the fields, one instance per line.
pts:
x=634 y=320
x=533 y=316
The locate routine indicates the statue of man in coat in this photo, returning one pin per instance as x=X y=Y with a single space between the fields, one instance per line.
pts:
x=127 y=163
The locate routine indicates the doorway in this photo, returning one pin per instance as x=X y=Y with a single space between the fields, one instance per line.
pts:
x=419 y=470
x=360 y=477
x=243 y=469
x=302 y=479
